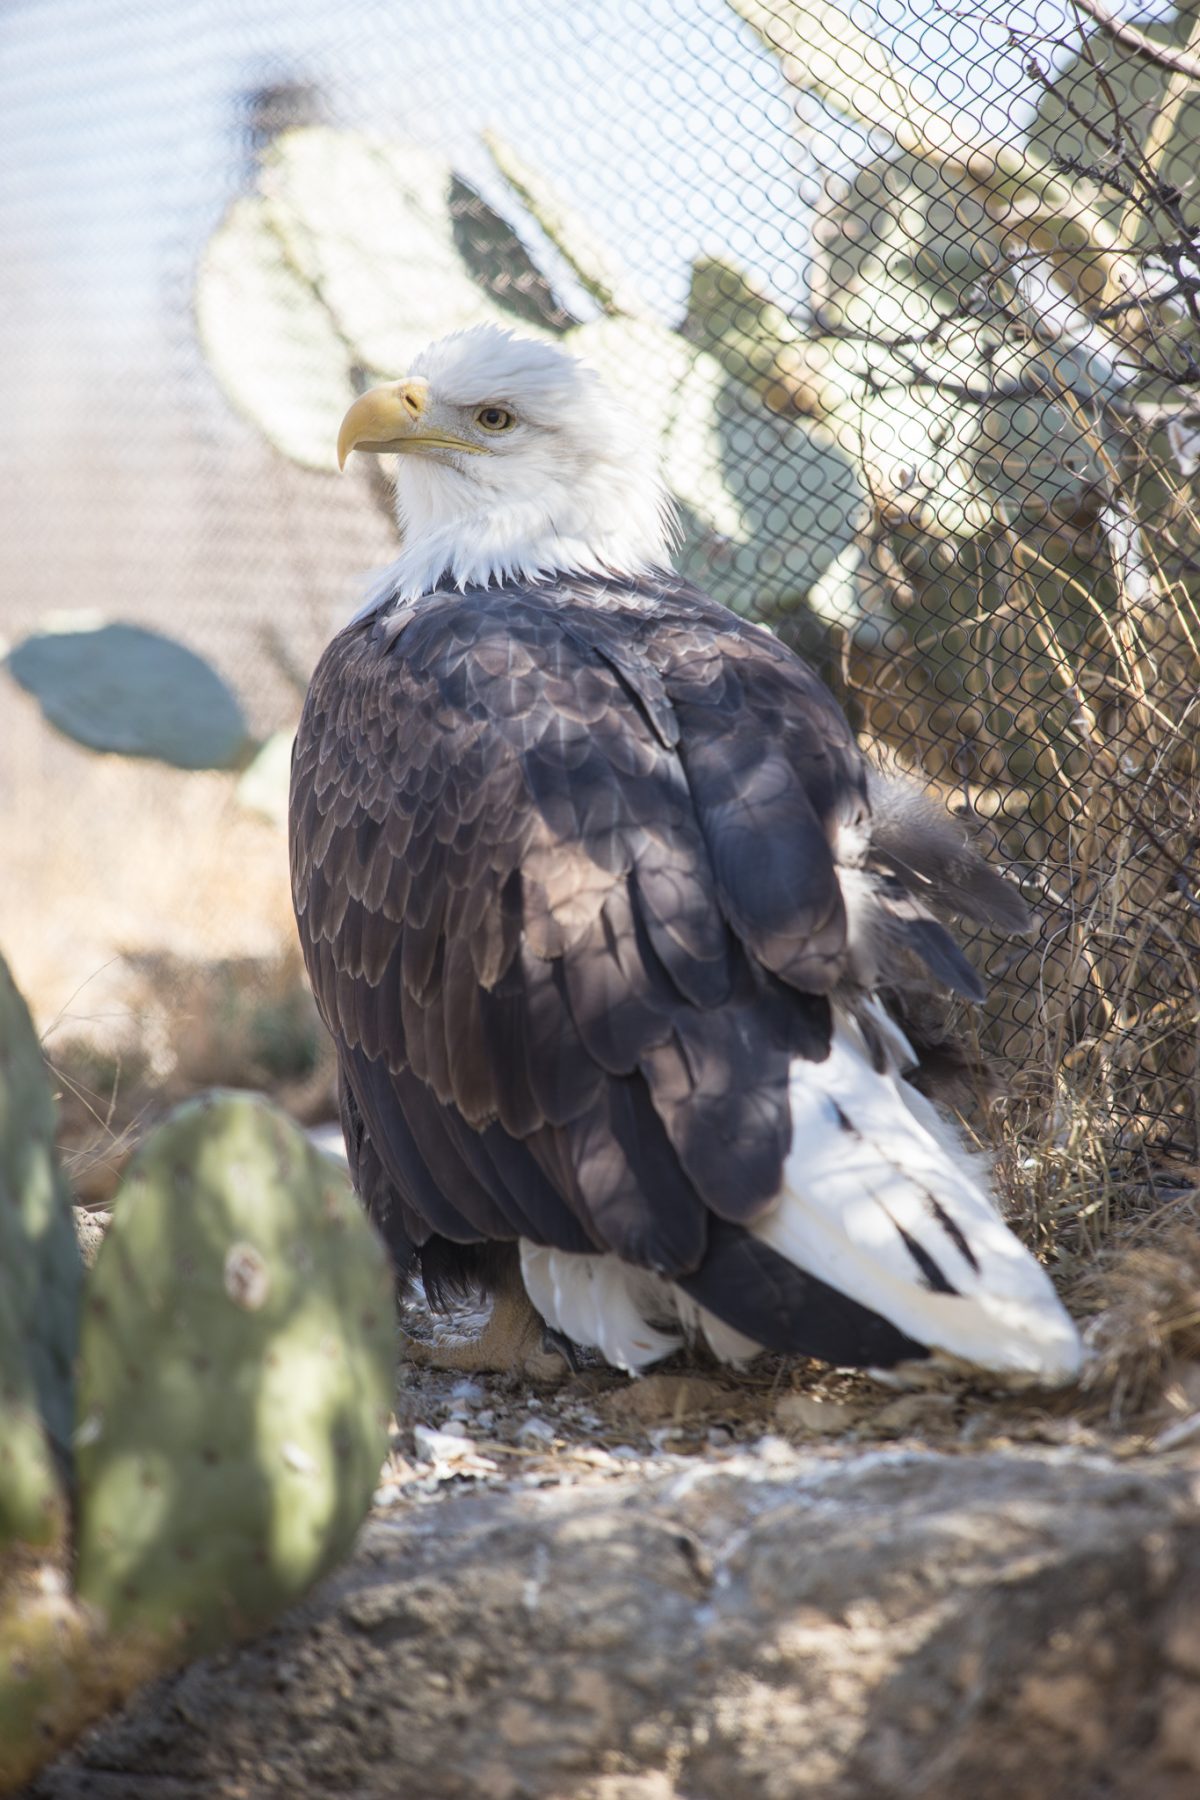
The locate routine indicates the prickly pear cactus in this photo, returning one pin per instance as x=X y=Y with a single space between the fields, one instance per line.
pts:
x=235 y=1377
x=237 y=1361
x=125 y=689
x=40 y=1275
x=31 y=1501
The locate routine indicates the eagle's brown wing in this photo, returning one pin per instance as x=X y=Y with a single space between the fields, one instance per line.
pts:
x=562 y=869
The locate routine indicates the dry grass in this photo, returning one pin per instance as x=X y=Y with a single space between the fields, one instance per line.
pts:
x=1082 y=764
x=1145 y=1339
x=1051 y=689
x=188 y=1026
x=107 y=858
x=147 y=919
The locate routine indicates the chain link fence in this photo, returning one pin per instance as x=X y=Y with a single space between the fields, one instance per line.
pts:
x=907 y=290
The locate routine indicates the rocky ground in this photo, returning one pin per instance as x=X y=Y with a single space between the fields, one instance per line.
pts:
x=698 y=1586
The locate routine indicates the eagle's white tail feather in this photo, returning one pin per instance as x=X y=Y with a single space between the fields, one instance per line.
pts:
x=881 y=1202
x=726 y=1344
x=591 y=1300
x=608 y=1305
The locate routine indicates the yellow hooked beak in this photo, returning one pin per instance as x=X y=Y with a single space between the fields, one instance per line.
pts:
x=389 y=418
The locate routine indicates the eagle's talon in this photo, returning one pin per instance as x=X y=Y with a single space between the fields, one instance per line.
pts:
x=513 y=1342
x=554 y=1341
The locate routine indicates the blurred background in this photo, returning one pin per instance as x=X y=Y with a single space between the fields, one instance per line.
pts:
x=906 y=288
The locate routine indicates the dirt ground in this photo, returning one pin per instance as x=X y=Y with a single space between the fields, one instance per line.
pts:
x=695 y=1587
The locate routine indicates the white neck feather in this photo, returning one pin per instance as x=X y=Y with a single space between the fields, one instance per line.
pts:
x=480 y=526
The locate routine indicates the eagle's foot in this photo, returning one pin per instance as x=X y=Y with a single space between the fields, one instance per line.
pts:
x=515 y=1342
x=557 y=1343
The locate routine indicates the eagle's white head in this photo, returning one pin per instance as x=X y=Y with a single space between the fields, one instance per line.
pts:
x=513 y=461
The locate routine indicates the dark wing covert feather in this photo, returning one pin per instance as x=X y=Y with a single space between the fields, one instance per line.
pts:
x=561 y=860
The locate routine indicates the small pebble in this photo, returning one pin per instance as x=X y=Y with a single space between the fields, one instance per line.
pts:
x=805 y=1412
x=440 y=1446
x=535 y=1431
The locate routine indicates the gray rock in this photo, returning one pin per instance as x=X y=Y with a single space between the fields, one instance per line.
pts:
x=830 y=1622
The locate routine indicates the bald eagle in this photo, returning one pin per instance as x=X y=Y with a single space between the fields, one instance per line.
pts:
x=601 y=903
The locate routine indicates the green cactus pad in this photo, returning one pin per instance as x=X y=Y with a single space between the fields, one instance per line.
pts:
x=123 y=688
x=597 y=269
x=264 y=783
x=352 y=253
x=32 y=1503
x=236 y=1374
x=768 y=503
x=40 y=1275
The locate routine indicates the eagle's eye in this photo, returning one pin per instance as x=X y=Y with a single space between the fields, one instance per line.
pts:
x=495 y=418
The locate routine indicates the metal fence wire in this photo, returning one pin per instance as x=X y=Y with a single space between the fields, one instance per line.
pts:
x=907 y=290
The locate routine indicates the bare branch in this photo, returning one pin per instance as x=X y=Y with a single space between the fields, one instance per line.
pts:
x=1179 y=62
